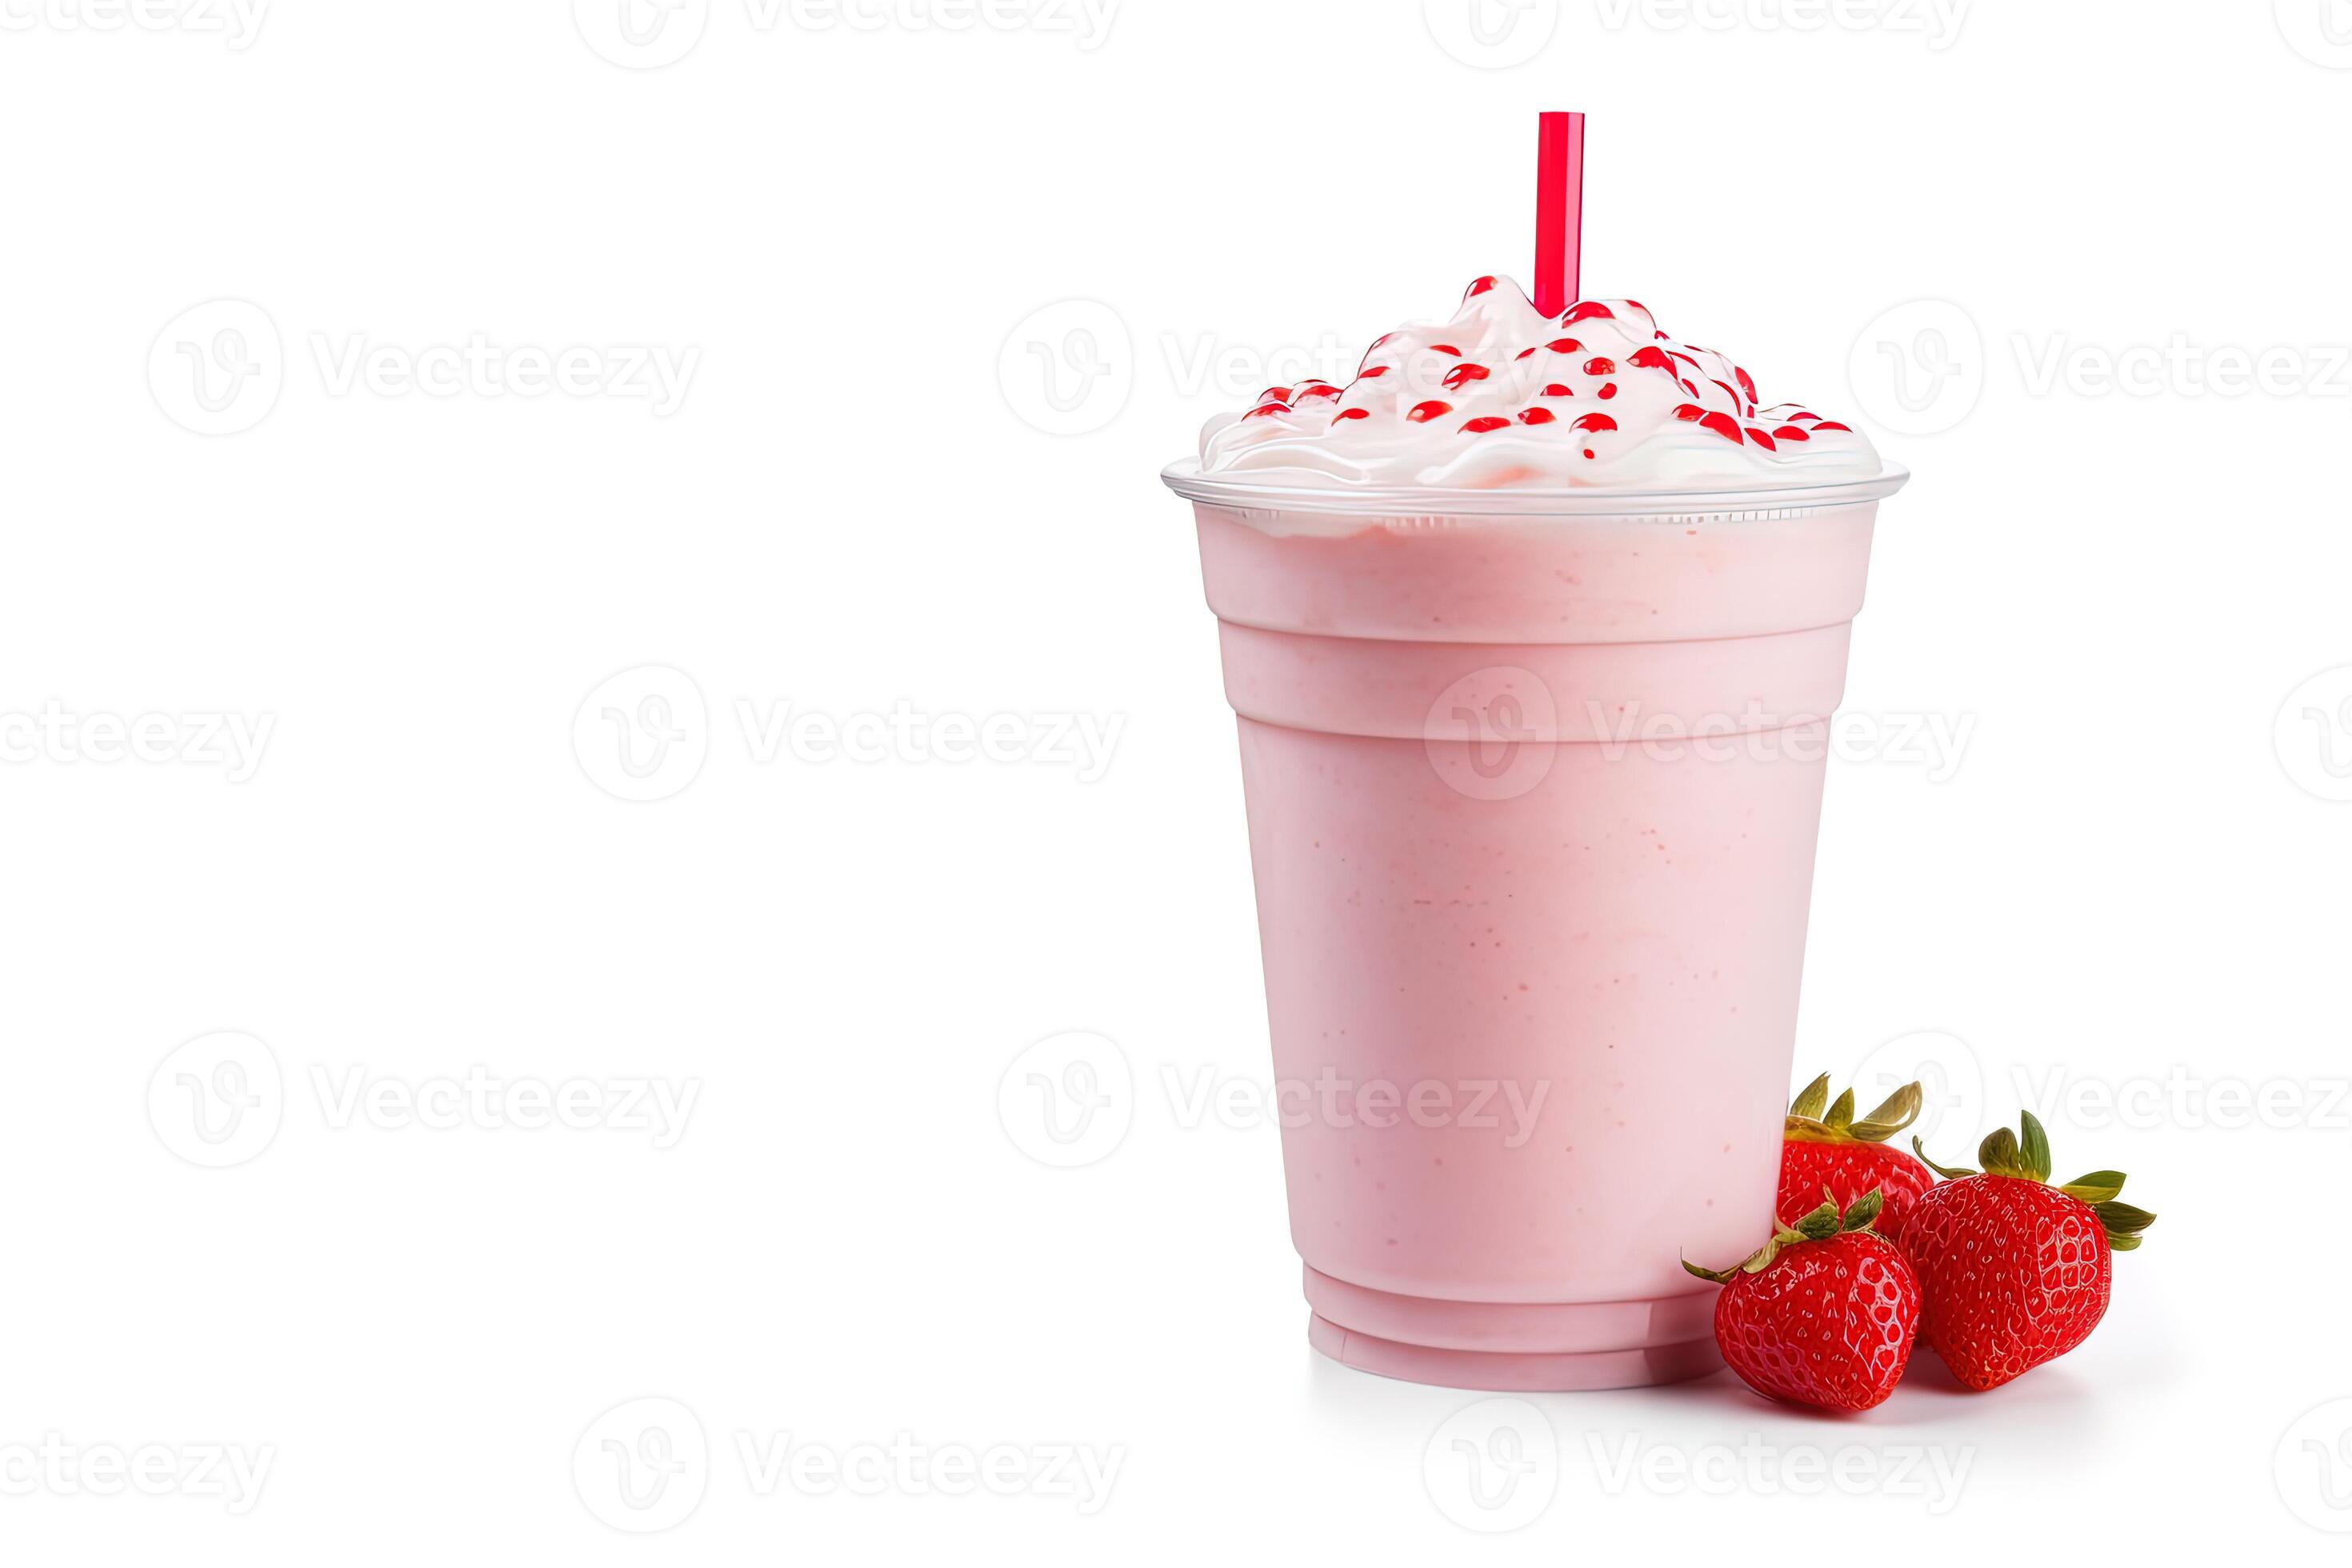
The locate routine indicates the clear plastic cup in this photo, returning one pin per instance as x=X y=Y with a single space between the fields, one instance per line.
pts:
x=1533 y=783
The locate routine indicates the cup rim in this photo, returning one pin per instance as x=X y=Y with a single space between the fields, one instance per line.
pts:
x=1185 y=478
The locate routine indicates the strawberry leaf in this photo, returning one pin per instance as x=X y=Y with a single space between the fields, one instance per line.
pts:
x=2122 y=1219
x=1814 y=1101
x=1901 y=1110
x=2000 y=1154
x=2098 y=1187
x=2036 y=1152
x=2123 y=1225
x=1841 y=1114
x=1949 y=1172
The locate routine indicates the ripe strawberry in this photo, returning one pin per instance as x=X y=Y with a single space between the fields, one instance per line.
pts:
x=1830 y=1151
x=1823 y=1315
x=2015 y=1272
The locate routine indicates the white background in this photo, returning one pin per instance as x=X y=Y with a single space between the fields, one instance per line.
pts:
x=2132 y=874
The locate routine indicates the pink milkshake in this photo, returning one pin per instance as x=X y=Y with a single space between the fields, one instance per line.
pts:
x=1534 y=630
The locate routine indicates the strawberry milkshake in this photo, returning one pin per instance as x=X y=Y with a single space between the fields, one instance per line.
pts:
x=1534 y=630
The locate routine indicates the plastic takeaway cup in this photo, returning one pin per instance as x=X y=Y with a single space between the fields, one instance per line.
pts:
x=1533 y=782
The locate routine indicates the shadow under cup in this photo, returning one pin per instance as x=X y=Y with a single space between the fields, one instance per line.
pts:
x=1533 y=785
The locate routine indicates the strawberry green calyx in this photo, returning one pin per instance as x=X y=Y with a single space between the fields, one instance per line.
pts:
x=2026 y=1158
x=1819 y=1226
x=1813 y=1118
x=2123 y=1225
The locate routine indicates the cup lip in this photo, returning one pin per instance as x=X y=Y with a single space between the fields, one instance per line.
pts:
x=1185 y=478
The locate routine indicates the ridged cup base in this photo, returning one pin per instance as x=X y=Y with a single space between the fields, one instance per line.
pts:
x=1513 y=1347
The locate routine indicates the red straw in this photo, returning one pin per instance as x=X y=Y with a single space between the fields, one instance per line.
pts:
x=1559 y=211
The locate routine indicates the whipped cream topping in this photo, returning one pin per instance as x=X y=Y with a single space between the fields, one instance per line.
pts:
x=1504 y=397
